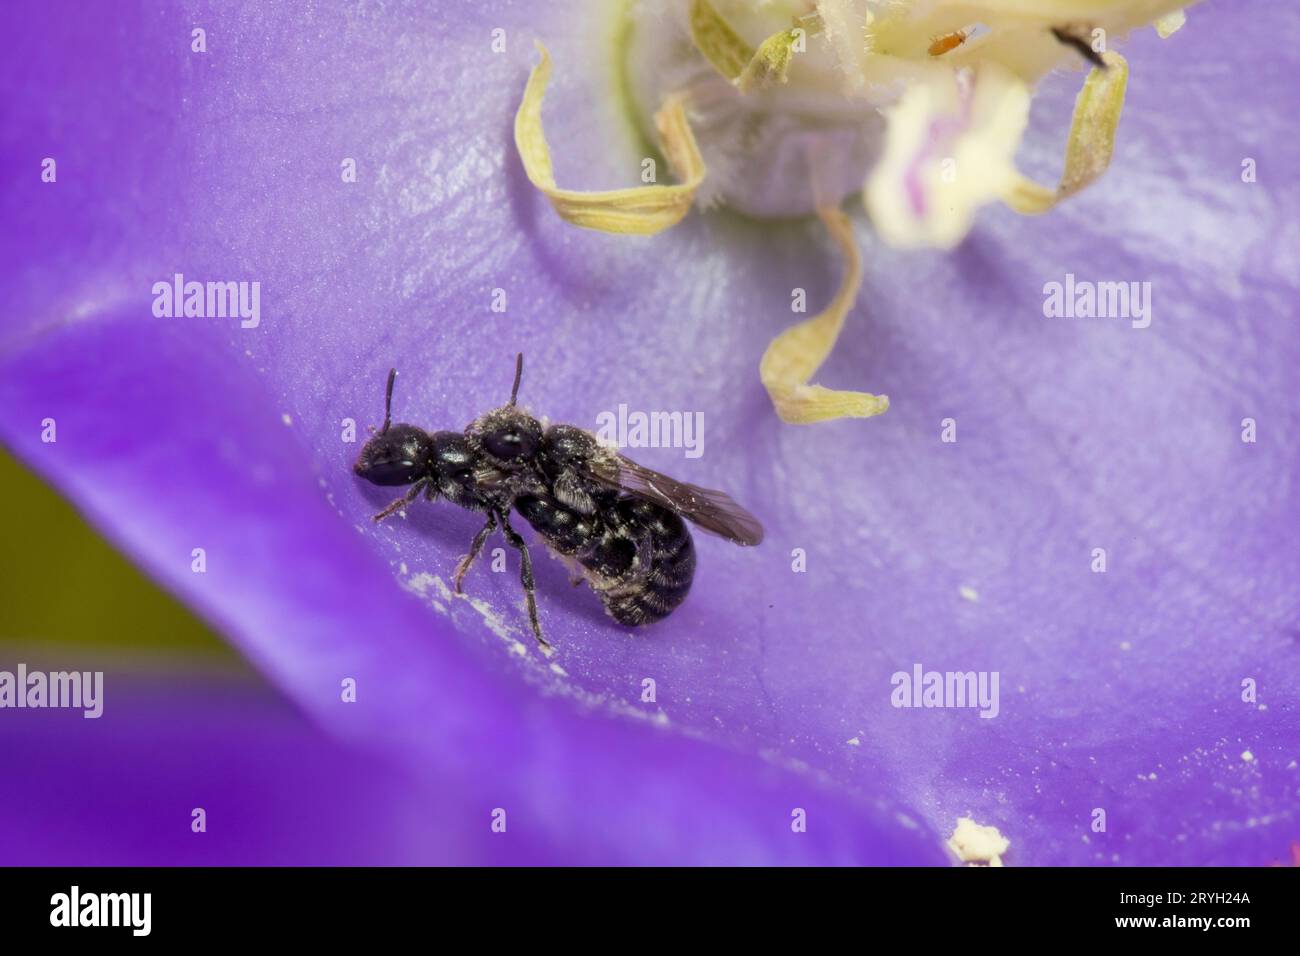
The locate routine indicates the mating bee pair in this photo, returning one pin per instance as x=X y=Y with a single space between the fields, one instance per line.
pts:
x=621 y=523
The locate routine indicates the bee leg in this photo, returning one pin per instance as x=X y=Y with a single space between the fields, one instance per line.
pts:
x=474 y=548
x=401 y=502
x=525 y=576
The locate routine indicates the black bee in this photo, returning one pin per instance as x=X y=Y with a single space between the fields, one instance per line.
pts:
x=619 y=522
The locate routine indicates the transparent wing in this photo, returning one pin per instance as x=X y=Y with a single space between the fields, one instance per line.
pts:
x=709 y=510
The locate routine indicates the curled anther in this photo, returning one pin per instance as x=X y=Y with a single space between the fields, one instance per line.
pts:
x=1097 y=112
x=747 y=68
x=640 y=210
x=794 y=356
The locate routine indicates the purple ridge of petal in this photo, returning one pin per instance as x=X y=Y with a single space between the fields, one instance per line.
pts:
x=1120 y=691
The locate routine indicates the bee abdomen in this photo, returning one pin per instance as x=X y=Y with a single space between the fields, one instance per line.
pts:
x=638 y=556
x=653 y=592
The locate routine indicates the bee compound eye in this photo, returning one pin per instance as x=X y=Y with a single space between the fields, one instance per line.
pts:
x=390 y=472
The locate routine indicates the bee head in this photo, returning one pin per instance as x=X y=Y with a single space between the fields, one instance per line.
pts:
x=508 y=434
x=396 y=454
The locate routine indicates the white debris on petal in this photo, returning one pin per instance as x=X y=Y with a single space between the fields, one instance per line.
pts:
x=419 y=583
x=1247 y=756
x=496 y=624
x=977 y=844
x=969 y=593
x=854 y=741
x=422 y=584
x=286 y=418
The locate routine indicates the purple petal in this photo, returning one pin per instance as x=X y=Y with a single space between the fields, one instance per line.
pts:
x=1120 y=691
x=121 y=790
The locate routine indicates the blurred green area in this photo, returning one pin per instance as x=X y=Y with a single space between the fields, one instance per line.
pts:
x=63 y=584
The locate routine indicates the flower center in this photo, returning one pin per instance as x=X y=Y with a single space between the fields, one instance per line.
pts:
x=779 y=149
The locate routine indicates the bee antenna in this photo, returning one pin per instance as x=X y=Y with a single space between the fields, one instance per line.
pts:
x=388 y=400
x=519 y=373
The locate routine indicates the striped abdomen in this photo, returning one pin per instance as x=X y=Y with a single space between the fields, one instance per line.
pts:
x=639 y=557
x=652 y=589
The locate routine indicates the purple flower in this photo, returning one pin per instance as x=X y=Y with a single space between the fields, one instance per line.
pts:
x=215 y=451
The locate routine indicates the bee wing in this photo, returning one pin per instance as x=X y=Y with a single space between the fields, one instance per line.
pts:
x=709 y=510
